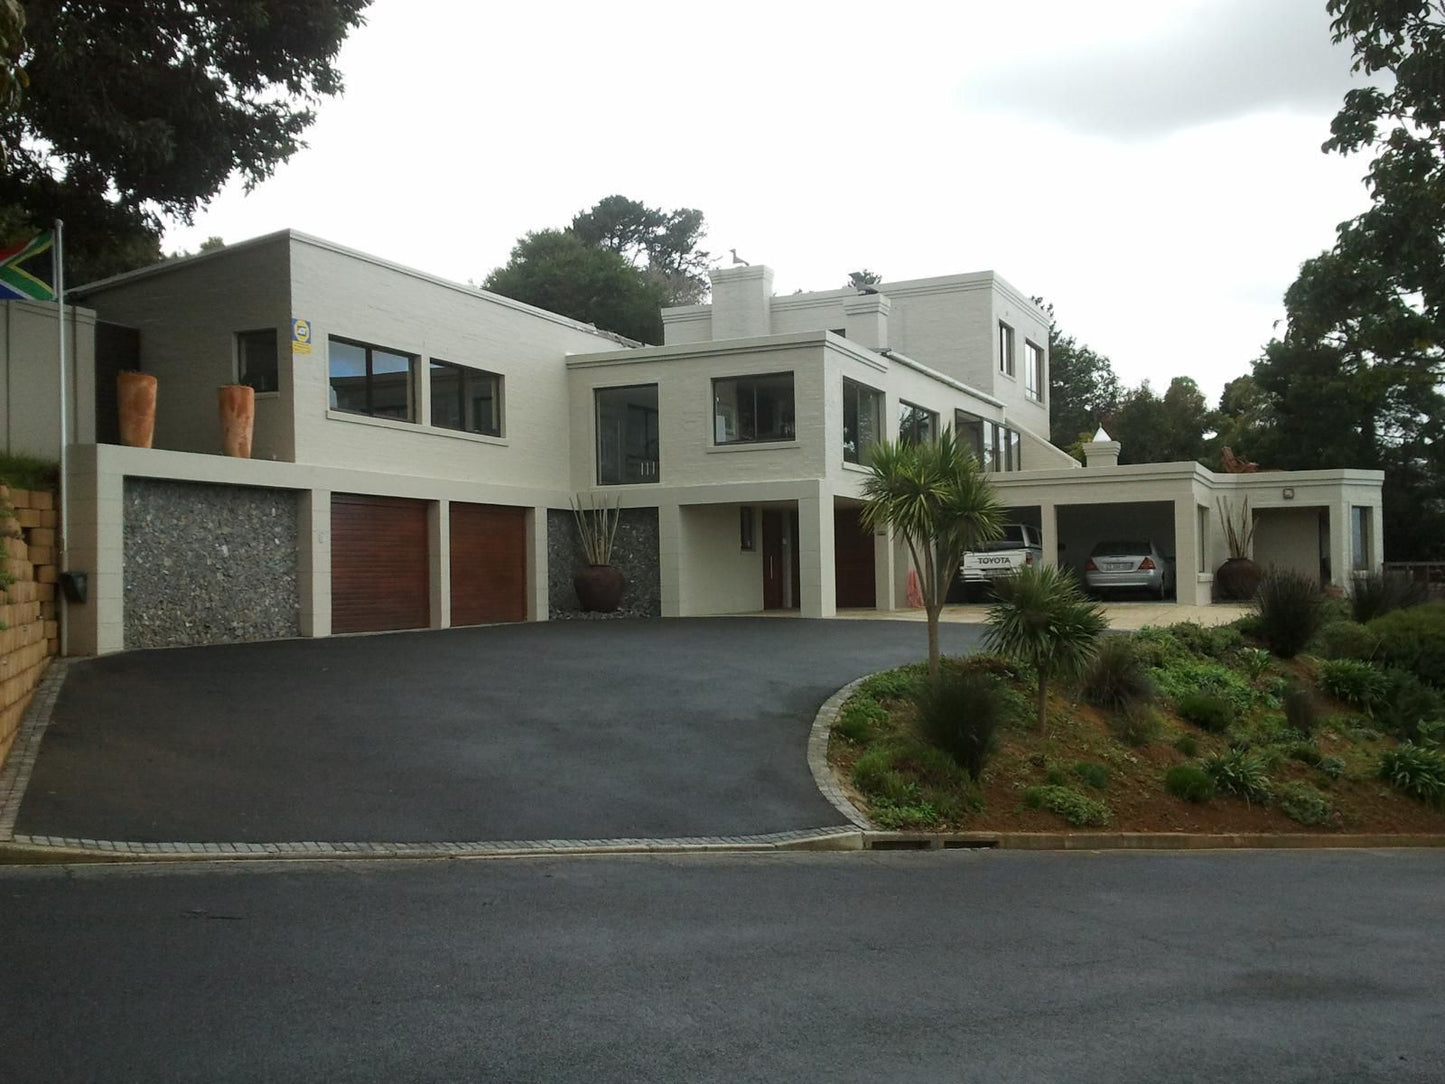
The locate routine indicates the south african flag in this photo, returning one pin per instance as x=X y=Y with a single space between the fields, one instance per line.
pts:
x=19 y=283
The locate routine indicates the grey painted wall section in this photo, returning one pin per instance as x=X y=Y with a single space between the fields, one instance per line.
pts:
x=30 y=377
x=208 y=564
x=635 y=553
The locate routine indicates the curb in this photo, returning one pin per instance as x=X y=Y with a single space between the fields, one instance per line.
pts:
x=818 y=756
x=1142 y=841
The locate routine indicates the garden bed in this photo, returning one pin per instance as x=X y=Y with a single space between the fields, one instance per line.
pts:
x=1306 y=761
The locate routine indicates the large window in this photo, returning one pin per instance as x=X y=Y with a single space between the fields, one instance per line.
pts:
x=916 y=424
x=627 y=444
x=1033 y=371
x=753 y=408
x=256 y=359
x=466 y=399
x=1361 y=537
x=862 y=420
x=996 y=447
x=372 y=380
x=1005 y=349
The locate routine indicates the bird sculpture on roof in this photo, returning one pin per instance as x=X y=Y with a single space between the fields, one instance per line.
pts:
x=738 y=259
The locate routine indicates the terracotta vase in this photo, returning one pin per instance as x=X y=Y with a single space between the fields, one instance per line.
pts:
x=238 y=419
x=599 y=588
x=1238 y=579
x=136 y=395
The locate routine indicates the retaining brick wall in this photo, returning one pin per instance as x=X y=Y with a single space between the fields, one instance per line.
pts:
x=29 y=635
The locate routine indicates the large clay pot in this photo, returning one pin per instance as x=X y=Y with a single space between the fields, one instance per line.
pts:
x=136 y=395
x=1238 y=579
x=599 y=588
x=238 y=419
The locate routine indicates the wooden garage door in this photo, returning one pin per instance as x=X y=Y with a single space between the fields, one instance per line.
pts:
x=853 y=559
x=489 y=564
x=379 y=564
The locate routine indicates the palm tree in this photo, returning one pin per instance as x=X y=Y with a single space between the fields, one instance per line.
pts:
x=937 y=500
x=1042 y=618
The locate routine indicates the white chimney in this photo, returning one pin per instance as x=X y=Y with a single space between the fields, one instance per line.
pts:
x=865 y=320
x=742 y=300
x=1102 y=451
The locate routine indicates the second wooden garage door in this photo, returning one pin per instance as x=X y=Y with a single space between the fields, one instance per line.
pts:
x=853 y=559
x=489 y=564
x=379 y=564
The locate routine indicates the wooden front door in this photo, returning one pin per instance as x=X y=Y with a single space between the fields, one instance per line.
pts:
x=853 y=559
x=773 y=555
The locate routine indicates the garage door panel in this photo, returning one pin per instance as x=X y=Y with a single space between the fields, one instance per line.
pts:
x=380 y=569
x=854 y=570
x=488 y=563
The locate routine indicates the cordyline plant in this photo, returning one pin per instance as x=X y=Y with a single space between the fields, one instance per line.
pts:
x=1044 y=619
x=596 y=527
x=1238 y=528
x=934 y=497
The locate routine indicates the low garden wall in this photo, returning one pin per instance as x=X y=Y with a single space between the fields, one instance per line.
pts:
x=29 y=635
x=634 y=552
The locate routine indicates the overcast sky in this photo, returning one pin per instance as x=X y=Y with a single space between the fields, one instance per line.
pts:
x=1152 y=167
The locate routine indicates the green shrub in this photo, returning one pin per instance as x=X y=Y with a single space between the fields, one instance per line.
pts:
x=1254 y=661
x=1330 y=767
x=1189 y=782
x=1357 y=683
x=1214 y=642
x=1117 y=676
x=1344 y=640
x=1416 y=771
x=27 y=472
x=1414 y=640
x=1301 y=802
x=1181 y=678
x=889 y=685
x=1093 y=775
x=1135 y=724
x=1057 y=777
x=1187 y=745
x=961 y=714
x=988 y=662
x=1410 y=707
x=1379 y=593
x=1078 y=809
x=1240 y=772
x=1248 y=626
x=1301 y=711
x=912 y=811
x=859 y=719
x=1207 y=711
x=926 y=764
x=1291 y=610
x=875 y=775
x=1305 y=752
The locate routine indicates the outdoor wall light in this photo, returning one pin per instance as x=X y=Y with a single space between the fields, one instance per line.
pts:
x=74 y=585
x=1289 y=493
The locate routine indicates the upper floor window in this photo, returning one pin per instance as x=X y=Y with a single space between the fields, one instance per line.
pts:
x=1005 y=349
x=753 y=408
x=372 y=380
x=256 y=359
x=862 y=420
x=1033 y=371
x=916 y=425
x=465 y=399
x=996 y=447
x=627 y=436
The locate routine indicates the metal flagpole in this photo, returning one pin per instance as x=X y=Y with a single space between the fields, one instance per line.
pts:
x=62 y=525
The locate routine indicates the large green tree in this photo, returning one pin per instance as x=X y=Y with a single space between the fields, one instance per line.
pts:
x=136 y=113
x=1083 y=388
x=1354 y=380
x=556 y=270
x=663 y=245
x=1169 y=428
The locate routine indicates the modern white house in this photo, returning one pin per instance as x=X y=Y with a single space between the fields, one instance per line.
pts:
x=418 y=442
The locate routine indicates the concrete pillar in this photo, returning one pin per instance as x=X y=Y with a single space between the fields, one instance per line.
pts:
x=865 y=320
x=1186 y=555
x=669 y=558
x=1377 y=529
x=313 y=562
x=818 y=591
x=439 y=542
x=741 y=302
x=1341 y=563
x=1102 y=451
x=885 y=596
x=538 y=565
x=94 y=545
x=1049 y=532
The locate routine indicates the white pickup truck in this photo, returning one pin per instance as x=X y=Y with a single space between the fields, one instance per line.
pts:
x=1019 y=545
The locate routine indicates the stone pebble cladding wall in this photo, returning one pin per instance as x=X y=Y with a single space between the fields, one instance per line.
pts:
x=209 y=564
x=635 y=553
x=29 y=635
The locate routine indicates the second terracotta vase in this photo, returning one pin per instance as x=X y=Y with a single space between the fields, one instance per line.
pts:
x=136 y=397
x=238 y=419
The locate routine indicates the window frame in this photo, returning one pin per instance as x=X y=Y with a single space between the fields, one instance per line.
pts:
x=239 y=340
x=654 y=439
x=880 y=398
x=1033 y=371
x=412 y=398
x=465 y=372
x=1007 y=346
x=1362 y=537
x=905 y=408
x=792 y=423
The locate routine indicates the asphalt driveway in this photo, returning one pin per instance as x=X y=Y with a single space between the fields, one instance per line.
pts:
x=567 y=730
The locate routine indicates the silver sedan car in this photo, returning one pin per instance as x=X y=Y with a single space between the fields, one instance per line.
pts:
x=1130 y=565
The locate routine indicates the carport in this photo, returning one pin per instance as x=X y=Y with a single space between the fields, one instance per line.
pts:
x=1083 y=526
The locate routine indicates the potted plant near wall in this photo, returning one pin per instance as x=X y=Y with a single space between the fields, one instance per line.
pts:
x=600 y=585
x=136 y=399
x=1238 y=578
x=238 y=419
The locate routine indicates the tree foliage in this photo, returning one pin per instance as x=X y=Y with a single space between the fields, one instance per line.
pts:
x=1083 y=388
x=135 y=113
x=663 y=245
x=12 y=44
x=1171 y=428
x=933 y=495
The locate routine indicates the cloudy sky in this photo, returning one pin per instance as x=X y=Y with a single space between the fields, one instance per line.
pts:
x=1152 y=167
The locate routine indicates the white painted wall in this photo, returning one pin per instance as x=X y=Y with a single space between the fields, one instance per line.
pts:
x=1288 y=538
x=717 y=575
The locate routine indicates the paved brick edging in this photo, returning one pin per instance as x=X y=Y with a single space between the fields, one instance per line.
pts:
x=818 y=756
x=15 y=776
x=1144 y=841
